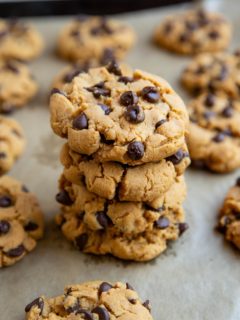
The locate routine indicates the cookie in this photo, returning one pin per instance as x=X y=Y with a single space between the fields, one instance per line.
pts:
x=132 y=117
x=19 y=40
x=21 y=221
x=193 y=32
x=91 y=300
x=213 y=72
x=12 y=143
x=112 y=179
x=229 y=217
x=214 y=134
x=17 y=85
x=128 y=230
x=95 y=38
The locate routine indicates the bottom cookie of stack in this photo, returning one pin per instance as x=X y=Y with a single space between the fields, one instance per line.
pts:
x=137 y=231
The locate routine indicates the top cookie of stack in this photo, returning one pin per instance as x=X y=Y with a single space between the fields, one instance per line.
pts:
x=116 y=114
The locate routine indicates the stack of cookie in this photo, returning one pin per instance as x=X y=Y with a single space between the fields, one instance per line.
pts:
x=122 y=185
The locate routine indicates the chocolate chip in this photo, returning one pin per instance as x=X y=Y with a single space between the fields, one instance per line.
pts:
x=104 y=287
x=75 y=33
x=227 y=112
x=5 y=201
x=135 y=150
x=177 y=157
x=102 y=313
x=238 y=182
x=25 y=189
x=99 y=90
x=16 y=252
x=105 y=108
x=37 y=302
x=64 y=198
x=68 y=77
x=129 y=287
x=219 y=137
x=74 y=308
x=128 y=98
x=184 y=37
x=134 y=114
x=160 y=209
x=87 y=314
x=168 y=27
x=132 y=301
x=223 y=73
x=102 y=219
x=162 y=223
x=202 y=16
x=146 y=304
x=191 y=25
x=150 y=94
x=4 y=227
x=125 y=79
x=2 y=155
x=81 y=241
x=80 y=122
x=200 y=70
x=210 y=100
x=209 y=114
x=213 y=34
x=160 y=122
x=225 y=221
x=10 y=66
x=56 y=90
x=108 y=56
x=6 y=108
x=31 y=226
x=114 y=68
x=104 y=140
x=182 y=227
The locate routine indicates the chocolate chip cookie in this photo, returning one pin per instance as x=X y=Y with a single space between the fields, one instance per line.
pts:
x=17 y=85
x=132 y=117
x=229 y=217
x=213 y=72
x=21 y=221
x=193 y=32
x=214 y=135
x=112 y=179
x=19 y=40
x=12 y=143
x=128 y=230
x=98 y=38
x=90 y=301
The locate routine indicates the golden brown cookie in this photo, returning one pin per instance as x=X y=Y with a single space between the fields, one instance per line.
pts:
x=95 y=38
x=21 y=221
x=193 y=32
x=12 y=143
x=96 y=300
x=133 y=117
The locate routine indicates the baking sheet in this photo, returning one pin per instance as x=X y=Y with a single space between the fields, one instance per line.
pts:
x=198 y=277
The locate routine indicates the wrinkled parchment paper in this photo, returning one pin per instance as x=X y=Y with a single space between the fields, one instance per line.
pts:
x=198 y=278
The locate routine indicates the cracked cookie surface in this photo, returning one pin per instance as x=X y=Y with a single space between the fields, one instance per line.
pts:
x=95 y=300
x=193 y=32
x=21 y=221
x=111 y=179
x=17 y=85
x=131 y=117
x=12 y=143
x=229 y=217
x=19 y=40
x=95 y=38
x=214 y=134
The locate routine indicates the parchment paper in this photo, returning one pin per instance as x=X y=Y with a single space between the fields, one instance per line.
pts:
x=197 y=278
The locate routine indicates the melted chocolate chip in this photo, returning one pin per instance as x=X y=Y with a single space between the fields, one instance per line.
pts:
x=102 y=313
x=160 y=122
x=64 y=198
x=125 y=79
x=219 y=137
x=104 y=287
x=135 y=150
x=210 y=100
x=128 y=98
x=4 y=227
x=37 y=302
x=16 y=252
x=31 y=226
x=129 y=287
x=213 y=35
x=134 y=114
x=5 y=202
x=80 y=122
x=146 y=304
x=102 y=219
x=99 y=90
x=151 y=94
x=227 y=112
x=177 y=157
x=105 y=108
x=238 y=182
x=56 y=90
x=114 y=68
x=162 y=223
x=81 y=241
x=182 y=227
